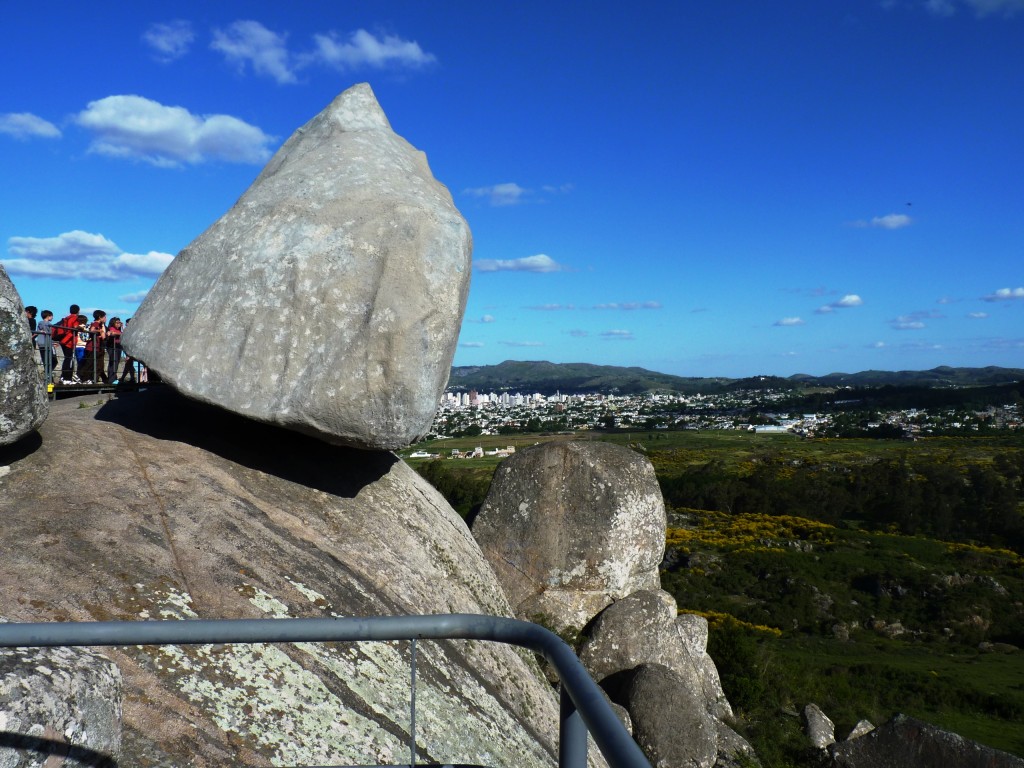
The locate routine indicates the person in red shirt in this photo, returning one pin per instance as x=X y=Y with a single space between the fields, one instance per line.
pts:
x=64 y=334
x=92 y=367
x=113 y=349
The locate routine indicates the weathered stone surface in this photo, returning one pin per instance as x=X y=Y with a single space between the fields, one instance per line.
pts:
x=328 y=300
x=643 y=629
x=733 y=750
x=23 y=403
x=818 y=727
x=904 y=742
x=860 y=729
x=693 y=631
x=671 y=725
x=182 y=510
x=57 y=702
x=570 y=526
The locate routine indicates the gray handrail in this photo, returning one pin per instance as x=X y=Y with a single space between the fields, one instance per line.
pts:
x=583 y=706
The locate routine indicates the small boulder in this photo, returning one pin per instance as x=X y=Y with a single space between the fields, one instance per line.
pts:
x=570 y=526
x=910 y=743
x=818 y=727
x=57 y=702
x=860 y=729
x=328 y=300
x=670 y=725
x=23 y=403
x=643 y=629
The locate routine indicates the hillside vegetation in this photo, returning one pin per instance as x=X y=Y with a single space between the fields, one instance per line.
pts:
x=580 y=378
x=870 y=577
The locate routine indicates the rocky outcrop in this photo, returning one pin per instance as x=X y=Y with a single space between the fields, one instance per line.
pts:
x=643 y=629
x=328 y=300
x=904 y=742
x=58 y=703
x=670 y=724
x=177 y=510
x=818 y=727
x=570 y=526
x=23 y=403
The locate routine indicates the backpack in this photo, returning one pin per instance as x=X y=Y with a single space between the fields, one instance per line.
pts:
x=63 y=336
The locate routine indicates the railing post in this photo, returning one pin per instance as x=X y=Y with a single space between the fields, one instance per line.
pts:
x=572 y=734
x=412 y=703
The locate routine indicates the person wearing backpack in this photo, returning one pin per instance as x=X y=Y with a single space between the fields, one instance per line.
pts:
x=65 y=336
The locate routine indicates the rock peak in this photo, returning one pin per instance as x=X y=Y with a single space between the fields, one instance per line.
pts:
x=357 y=109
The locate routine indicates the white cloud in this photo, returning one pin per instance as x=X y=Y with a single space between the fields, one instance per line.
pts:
x=1000 y=7
x=499 y=195
x=249 y=42
x=1005 y=294
x=471 y=344
x=487 y=319
x=552 y=307
x=789 y=321
x=879 y=345
x=849 y=300
x=579 y=333
x=630 y=305
x=889 y=221
x=170 y=40
x=619 y=334
x=523 y=343
x=138 y=128
x=940 y=7
x=981 y=8
x=133 y=298
x=363 y=48
x=907 y=323
x=80 y=255
x=24 y=125
x=539 y=263
x=977 y=315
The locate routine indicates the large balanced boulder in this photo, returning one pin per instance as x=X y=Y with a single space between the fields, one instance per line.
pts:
x=58 y=702
x=328 y=300
x=23 y=403
x=570 y=526
x=174 y=510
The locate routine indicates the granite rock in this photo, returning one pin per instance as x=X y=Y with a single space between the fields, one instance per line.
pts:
x=642 y=628
x=328 y=299
x=570 y=526
x=904 y=742
x=23 y=402
x=204 y=514
x=818 y=727
x=58 y=702
x=669 y=724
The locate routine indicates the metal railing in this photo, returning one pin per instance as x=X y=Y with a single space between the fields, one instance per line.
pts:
x=582 y=705
x=100 y=366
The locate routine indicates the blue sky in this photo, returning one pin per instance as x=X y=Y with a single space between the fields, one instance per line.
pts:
x=706 y=189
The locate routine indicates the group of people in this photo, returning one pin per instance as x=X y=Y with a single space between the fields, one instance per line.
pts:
x=91 y=352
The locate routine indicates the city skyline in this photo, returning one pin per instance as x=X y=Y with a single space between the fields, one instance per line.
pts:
x=696 y=190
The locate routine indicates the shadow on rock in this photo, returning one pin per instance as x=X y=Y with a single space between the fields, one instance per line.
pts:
x=19 y=449
x=61 y=749
x=164 y=414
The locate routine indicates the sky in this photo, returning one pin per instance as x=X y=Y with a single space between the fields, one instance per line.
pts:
x=703 y=189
